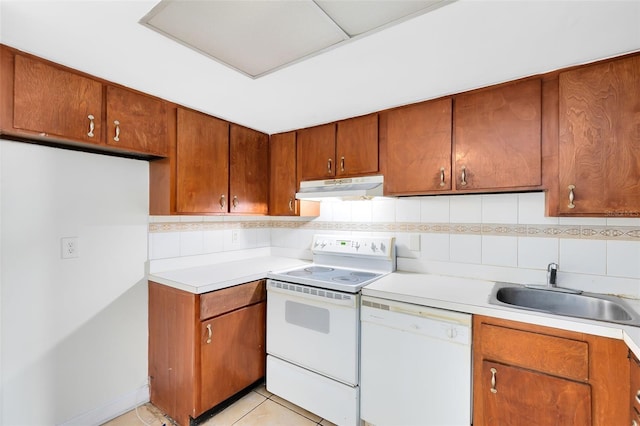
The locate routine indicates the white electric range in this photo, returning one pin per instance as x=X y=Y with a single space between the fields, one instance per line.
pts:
x=313 y=324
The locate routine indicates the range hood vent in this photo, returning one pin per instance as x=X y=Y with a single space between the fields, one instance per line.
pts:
x=346 y=188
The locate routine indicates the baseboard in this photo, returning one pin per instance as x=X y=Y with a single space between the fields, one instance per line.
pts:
x=112 y=409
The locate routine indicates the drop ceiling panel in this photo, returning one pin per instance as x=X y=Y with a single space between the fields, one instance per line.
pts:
x=359 y=17
x=257 y=37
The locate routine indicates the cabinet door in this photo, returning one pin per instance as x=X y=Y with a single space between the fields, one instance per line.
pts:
x=418 y=148
x=136 y=122
x=282 y=192
x=515 y=396
x=202 y=177
x=357 y=146
x=316 y=152
x=232 y=353
x=497 y=137
x=599 y=155
x=55 y=102
x=249 y=168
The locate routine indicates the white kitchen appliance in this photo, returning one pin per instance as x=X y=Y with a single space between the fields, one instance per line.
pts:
x=313 y=324
x=416 y=365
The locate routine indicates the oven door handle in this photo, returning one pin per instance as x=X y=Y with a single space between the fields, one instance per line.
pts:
x=313 y=294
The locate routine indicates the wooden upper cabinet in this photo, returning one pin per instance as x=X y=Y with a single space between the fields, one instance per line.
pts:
x=599 y=142
x=46 y=102
x=202 y=151
x=497 y=137
x=136 y=122
x=249 y=171
x=316 y=152
x=357 y=146
x=417 y=140
x=282 y=191
x=55 y=102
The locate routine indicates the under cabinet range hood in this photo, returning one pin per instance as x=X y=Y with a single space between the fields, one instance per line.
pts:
x=345 y=188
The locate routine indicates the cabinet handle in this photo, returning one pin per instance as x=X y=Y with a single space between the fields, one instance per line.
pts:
x=329 y=166
x=290 y=204
x=92 y=125
x=117 y=136
x=441 y=176
x=463 y=176
x=342 y=164
x=493 y=380
x=223 y=202
x=235 y=201
x=571 y=196
x=638 y=396
x=634 y=422
x=210 y=333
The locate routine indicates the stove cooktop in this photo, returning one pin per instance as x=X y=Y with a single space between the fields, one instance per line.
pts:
x=329 y=277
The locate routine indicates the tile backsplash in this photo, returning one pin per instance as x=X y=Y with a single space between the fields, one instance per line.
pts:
x=497 y=237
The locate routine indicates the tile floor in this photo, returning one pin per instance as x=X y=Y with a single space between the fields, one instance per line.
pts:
x=257 y=408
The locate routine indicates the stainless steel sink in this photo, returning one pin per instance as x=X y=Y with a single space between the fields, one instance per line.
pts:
x=593 y=306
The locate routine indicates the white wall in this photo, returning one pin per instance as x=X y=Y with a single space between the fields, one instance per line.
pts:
x=74 y=331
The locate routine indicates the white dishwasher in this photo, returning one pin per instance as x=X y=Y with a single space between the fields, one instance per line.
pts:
x=415 y=365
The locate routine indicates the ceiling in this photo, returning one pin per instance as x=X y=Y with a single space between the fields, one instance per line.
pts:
x=457 y=47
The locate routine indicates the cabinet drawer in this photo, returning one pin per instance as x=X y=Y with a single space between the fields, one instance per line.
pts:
x=548 y=354
x=228 y=299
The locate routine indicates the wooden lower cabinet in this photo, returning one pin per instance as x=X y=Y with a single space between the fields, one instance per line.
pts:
x=204 y=349
x=530 y=374
x=634 y=389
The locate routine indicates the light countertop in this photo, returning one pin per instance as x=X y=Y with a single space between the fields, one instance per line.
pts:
x=202 y=279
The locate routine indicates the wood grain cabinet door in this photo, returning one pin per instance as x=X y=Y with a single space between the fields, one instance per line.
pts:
x=515 y=396
x=249 y=171
x=136 y=122
x=357 y=146
x=418 y=148
x=56 y=102
x=202 y=177
x=497 y=137
x=599 y=154
x=283 y=184
x=316 y=152
x=232 y=353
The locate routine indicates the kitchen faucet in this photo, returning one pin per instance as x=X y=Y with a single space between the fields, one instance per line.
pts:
x=552 y=271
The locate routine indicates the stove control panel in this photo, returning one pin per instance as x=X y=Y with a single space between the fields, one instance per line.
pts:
x=354 y=246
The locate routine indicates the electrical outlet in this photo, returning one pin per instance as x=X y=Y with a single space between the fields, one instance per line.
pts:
x=234 y=236
x=69 y=247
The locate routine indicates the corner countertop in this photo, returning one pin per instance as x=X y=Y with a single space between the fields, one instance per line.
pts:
x=202 y=279
x=472 y=296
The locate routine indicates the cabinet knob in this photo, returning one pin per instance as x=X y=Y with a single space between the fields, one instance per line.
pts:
x=223 y=202
x=442 y=176
x=571 y=196
x=92 y=125
x=291 y=204
x=235 y=201
x=342 y=164
x=117 y=135
x=493 y=380
x=329 y=168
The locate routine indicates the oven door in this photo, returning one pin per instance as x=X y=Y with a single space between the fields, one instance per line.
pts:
x=314 y=328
